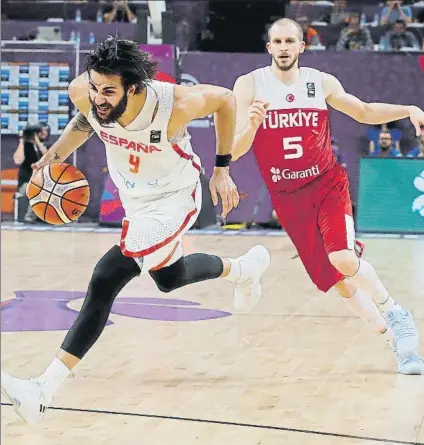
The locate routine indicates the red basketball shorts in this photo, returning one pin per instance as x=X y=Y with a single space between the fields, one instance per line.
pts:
x=318 y=219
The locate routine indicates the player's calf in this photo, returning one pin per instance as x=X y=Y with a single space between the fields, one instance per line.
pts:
x=345 y=261
x=187 y=270
x=245 y=272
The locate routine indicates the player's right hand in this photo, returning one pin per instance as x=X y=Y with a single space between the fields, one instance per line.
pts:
x=39 y=164
x=257 y=113
x=47 y=159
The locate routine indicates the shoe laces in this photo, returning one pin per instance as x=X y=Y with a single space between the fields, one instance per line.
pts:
x=415 y=357
x=401 y=325
x=43 y=408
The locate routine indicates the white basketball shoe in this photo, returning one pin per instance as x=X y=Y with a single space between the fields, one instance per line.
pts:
x=27 y=397
x=251 y=266
x=405 y=341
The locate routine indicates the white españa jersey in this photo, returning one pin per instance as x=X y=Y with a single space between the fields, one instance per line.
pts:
x=293 y=144
x=142 y=162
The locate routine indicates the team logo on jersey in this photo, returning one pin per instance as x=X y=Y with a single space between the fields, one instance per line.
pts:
x=155 y=136
x=310 y=86
x=290 y=98
x=277 y=174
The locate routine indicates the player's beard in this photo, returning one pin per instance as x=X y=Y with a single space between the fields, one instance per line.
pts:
x=115 y=112
x=286 y=67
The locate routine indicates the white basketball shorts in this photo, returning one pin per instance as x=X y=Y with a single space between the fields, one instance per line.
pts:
x=152 y=233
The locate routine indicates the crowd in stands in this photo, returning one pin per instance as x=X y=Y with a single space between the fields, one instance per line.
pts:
x=353 y=25
x=215 y=25
x=385 y=141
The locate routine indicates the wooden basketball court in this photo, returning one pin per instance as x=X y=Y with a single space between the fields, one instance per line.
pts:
x=183 y=369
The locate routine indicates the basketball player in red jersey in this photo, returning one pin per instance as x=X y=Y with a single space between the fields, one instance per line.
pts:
x=282 y=111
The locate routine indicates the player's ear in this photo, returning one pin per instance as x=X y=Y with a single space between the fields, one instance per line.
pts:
x=268 y=47
x=131 y=90
x=302 y=46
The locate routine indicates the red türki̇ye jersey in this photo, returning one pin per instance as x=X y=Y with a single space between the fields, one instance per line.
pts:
x=293 y=144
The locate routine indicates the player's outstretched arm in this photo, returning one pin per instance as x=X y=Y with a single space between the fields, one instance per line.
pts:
x=200 y=101
x=368 y=113
x=250 y=115
x=75 y=133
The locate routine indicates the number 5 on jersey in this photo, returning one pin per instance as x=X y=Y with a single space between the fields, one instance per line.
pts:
x=134 y=163
x=293 y=147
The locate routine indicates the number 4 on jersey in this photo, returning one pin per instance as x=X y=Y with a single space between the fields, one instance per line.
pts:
x=134 y=163
x=293 y=145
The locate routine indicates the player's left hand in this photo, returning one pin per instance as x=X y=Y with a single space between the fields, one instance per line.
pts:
x=417 y=118
x=221 y=184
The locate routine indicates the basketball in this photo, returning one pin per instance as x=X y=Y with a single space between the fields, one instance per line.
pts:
x=58 y=193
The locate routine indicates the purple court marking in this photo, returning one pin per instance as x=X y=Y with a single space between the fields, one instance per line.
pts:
x=160 y=301
x=166 y=313
x=49 y=311
x=39 y=311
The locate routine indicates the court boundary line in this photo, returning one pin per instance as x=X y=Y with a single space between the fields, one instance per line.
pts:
x=95 y=228
x=228 y=423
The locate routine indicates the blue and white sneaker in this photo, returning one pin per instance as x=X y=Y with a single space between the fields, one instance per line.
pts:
x=404 y=332
x=410 y=365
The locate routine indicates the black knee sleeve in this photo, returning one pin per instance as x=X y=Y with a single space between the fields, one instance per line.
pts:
x=109 y=277
x=188 y=270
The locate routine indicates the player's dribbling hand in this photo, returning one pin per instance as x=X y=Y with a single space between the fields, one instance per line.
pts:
x=47 y=159
x=257 y=113
x=221 y=184
x=417 y=118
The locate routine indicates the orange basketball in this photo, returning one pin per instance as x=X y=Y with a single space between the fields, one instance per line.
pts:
x=58 y=193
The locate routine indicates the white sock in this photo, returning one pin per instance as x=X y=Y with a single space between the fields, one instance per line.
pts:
x=367 y=279
x=54 y=376
x=362 y=306
x=389 y=305
x=235 y=271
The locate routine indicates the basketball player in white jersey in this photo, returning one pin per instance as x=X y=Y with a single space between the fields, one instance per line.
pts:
x=282 y=112
x=143 y=124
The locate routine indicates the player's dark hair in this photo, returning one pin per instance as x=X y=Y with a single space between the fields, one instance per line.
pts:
x=125 y=59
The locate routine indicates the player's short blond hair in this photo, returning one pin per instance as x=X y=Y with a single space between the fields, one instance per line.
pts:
x=285 y=21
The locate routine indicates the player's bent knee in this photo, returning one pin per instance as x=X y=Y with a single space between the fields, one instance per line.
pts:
x=345 y=261
x=111 y=273
x=345 y=288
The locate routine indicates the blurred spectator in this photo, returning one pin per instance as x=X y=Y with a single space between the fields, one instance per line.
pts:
x=386 y=147
x=30 y=149
x=120 y=11
x=398 y=37
x=418 y=151
x=394 y=11
x=374 y=136
x=420 y=16
x=310 y=34
x=354 y=37
x=336 y=151
x=30 y=35
x=44 y=134
x=339 y=14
